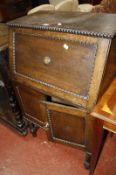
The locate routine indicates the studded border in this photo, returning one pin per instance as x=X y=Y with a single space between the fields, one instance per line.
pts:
x=18 y=91
x=58 y=139
x=47 y=84
x=65 y=30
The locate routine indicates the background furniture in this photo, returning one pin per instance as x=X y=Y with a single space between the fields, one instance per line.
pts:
x=59 y=70
x=39 y=2
x=105 y=6
x=93 y=2
x=10 y=9
x=10 y=113
x=105 y=114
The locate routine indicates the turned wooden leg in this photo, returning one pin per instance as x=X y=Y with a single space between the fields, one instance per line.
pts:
x=97 y=144
x=33 y=128
x=21 y=124
x=87 y=160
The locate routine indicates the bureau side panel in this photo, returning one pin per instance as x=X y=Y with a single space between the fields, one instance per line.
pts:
x=110 y=69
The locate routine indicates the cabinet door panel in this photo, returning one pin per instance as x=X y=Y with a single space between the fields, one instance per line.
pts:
x=30 y=101
x=67 y=124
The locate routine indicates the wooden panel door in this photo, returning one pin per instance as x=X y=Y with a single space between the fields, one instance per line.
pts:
x=32 y=107
x=67 y=124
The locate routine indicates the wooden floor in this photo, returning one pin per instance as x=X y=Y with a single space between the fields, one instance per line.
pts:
x=37 y=156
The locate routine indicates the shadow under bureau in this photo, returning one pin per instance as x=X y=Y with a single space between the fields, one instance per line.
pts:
x=61 y=63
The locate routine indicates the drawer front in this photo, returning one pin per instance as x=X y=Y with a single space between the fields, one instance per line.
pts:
x=67 y=125
x=31 y=104
x=63 y=65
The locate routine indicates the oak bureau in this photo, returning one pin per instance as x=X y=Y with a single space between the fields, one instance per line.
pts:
x=61 y=63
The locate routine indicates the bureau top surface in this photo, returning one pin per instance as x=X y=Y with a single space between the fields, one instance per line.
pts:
x=92 y=24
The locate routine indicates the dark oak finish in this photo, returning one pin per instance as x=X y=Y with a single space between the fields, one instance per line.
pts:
x=11 y=9
x=3 y=37
x=64 y=121
x=52 y=72
x=105 y=114
x=63 y=56
x=10 y=112
x=94 y=2
x=31 y=103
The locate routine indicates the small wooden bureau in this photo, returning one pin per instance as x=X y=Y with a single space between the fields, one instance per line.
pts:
x=61 y=63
